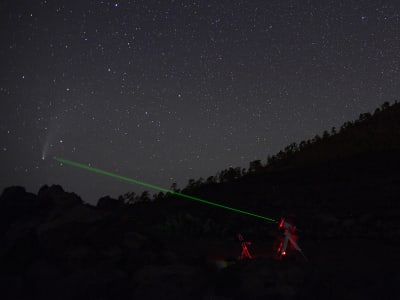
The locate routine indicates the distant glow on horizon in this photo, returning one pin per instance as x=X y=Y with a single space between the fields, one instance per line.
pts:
x=154 y=187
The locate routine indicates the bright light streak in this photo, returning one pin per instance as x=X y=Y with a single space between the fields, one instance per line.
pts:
x=154 y=187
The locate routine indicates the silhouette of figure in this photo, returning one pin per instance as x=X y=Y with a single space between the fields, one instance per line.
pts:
x=288 y=236
x=245 y=251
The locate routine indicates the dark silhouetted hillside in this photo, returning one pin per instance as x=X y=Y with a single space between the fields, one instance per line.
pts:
x=375 y=134
x=343 y=189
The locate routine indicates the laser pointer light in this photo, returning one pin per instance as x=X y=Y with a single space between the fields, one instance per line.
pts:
x=154 y=187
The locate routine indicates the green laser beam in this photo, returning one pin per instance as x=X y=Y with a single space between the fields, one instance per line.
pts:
x=154 y=187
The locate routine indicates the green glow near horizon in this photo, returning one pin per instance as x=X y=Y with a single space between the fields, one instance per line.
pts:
x=154 y=187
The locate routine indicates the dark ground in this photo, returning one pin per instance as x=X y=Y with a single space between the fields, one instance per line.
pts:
x=55 y=247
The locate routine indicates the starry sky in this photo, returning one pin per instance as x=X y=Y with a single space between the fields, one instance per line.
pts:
x=164 y=91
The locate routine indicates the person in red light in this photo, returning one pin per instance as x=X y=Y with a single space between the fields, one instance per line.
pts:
x=245 y=251
x=289 y=235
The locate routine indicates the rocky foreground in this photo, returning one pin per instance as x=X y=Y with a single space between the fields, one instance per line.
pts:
x=54 y=246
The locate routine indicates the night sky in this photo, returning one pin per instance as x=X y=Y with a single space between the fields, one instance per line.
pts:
x=165 y=91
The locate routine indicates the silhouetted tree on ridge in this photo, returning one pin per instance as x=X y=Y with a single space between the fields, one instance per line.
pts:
x=370 y=132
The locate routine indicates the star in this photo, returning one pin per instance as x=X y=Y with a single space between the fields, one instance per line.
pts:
x=189 y=88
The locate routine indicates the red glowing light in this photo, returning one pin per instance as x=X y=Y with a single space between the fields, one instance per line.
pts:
x=245 y=251
x=280 y=247
x=281 y=223
x=284 y=253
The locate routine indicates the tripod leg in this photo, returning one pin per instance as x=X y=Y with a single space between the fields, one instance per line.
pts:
x=297 y=247
x=284 y=246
